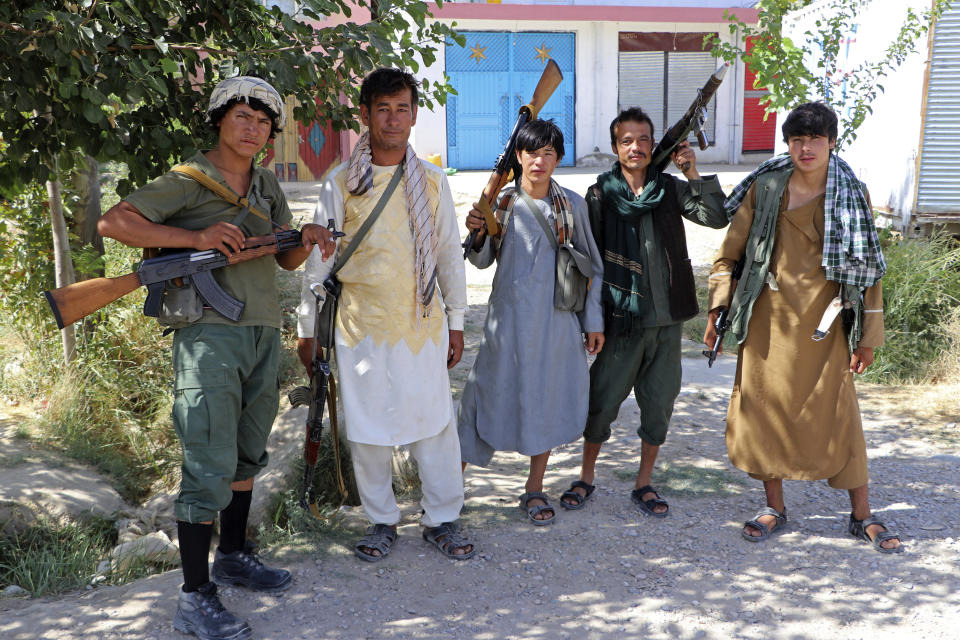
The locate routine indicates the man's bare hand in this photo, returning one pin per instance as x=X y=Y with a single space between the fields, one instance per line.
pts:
x=710 y=333
x=594 y=342
x=455 y=348
x=319 y=236
x=223 y=236
x=475 y=220
x=861 y=358
x=305 y=349
x=684 y=156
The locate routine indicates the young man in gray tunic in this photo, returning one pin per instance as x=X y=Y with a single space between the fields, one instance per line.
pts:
x=527 y=391
x=648 y=291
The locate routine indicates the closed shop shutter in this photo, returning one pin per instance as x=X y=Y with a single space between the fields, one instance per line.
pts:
x=759 y=129
x=687 y=71
x=939 y=185
x=661 y=72
x=641 y=83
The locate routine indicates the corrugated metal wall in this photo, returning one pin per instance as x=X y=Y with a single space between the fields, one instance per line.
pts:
x=939 y=186
x=759 y=134
x=660 y=72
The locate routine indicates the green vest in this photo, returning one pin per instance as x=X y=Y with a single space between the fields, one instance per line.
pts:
x=756 y=263
x=756 y=255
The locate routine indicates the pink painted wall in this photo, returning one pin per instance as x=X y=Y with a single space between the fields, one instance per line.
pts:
x=608 y=13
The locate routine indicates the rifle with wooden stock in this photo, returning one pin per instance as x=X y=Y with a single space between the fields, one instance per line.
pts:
x=692 y=120
x=503 y=168
x=322 y=390
x=76 y=301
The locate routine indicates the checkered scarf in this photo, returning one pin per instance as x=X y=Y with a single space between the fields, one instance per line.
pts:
x=360 y=180
x=851 y=248
x=559 y=203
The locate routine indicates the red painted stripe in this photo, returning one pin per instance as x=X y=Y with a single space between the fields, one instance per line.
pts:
x=596 y=13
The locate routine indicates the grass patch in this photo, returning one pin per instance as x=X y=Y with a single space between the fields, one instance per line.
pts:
x=54 y=557
x=920 y=295
x=292 y=526
x=691 y=481
x=694 y=327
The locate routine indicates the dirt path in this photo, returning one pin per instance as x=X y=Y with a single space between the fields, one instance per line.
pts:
x=608 y=571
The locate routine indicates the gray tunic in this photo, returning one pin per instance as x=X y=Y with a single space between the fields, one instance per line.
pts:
x=528 y=389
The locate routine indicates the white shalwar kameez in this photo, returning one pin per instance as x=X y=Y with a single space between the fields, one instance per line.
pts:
x=391 y=361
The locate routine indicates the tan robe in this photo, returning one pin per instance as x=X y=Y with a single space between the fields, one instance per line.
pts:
x=793 y=412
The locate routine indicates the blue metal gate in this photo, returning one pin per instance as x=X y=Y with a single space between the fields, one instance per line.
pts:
x=494 y=75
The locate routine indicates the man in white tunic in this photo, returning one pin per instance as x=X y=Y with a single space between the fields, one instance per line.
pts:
x=393 y=343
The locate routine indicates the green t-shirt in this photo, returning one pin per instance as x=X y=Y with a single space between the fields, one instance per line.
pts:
x=180 y=201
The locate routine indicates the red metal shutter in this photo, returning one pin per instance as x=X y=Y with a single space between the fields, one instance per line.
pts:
x=758 y=134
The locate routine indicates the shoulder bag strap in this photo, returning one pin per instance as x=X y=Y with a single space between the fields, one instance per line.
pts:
x=345 y=255
x=551 y=234
x=224 y=192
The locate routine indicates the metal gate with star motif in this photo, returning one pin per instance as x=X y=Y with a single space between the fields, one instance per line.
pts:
x=494 y=74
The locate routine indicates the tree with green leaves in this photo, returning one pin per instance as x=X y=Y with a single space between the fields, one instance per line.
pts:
x=795 y=72
x=127 y=80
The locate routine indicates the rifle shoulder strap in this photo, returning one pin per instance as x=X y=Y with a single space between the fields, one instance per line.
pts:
x=381 y=204
x=223 y=191
x=535 y=210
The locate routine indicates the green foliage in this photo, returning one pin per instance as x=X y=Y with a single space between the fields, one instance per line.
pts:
x=52 y=557
x=26 y=264
x=920 y=296
x=129 y=80
x=795 y=73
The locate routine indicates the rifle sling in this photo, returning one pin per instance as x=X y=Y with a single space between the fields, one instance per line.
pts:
x=224 y=192
x=365 y=227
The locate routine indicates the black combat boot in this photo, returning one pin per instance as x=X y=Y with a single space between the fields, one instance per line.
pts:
x=201 y=613
x=244 y=568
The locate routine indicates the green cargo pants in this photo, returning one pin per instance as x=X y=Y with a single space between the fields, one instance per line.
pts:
x=226 y=395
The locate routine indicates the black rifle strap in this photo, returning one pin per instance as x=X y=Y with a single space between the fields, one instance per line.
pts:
x=381 y=204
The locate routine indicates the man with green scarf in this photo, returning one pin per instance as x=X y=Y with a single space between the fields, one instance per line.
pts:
x=648 y=291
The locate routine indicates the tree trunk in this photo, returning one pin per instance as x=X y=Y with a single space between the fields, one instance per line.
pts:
x=61 y=255
x=86 y=213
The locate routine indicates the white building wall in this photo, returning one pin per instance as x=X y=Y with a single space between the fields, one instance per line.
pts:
x=884 y=154
x=597 y=46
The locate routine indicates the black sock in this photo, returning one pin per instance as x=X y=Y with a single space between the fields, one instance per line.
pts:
x=194 y=553
x=233 y=522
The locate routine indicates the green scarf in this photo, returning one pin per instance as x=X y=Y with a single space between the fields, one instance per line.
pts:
x=623 y=277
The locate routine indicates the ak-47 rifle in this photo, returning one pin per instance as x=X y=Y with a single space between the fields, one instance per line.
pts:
x=720 y=325
x=722 y=322
x=502 y=169
x=692 y=120
x=76 y=301
x=322 y=389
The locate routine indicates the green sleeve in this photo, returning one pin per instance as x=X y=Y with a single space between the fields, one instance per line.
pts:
x=160 y=199
x=701 y=201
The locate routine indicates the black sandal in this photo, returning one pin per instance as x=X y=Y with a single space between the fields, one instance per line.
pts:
x=858 y=529
x=534 y=510
x=447 y=538
x=377 y=536
x=578 y=501
x=647 y=505
x=779 y=523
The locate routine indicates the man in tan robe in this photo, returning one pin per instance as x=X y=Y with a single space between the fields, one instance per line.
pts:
x=793 y=412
